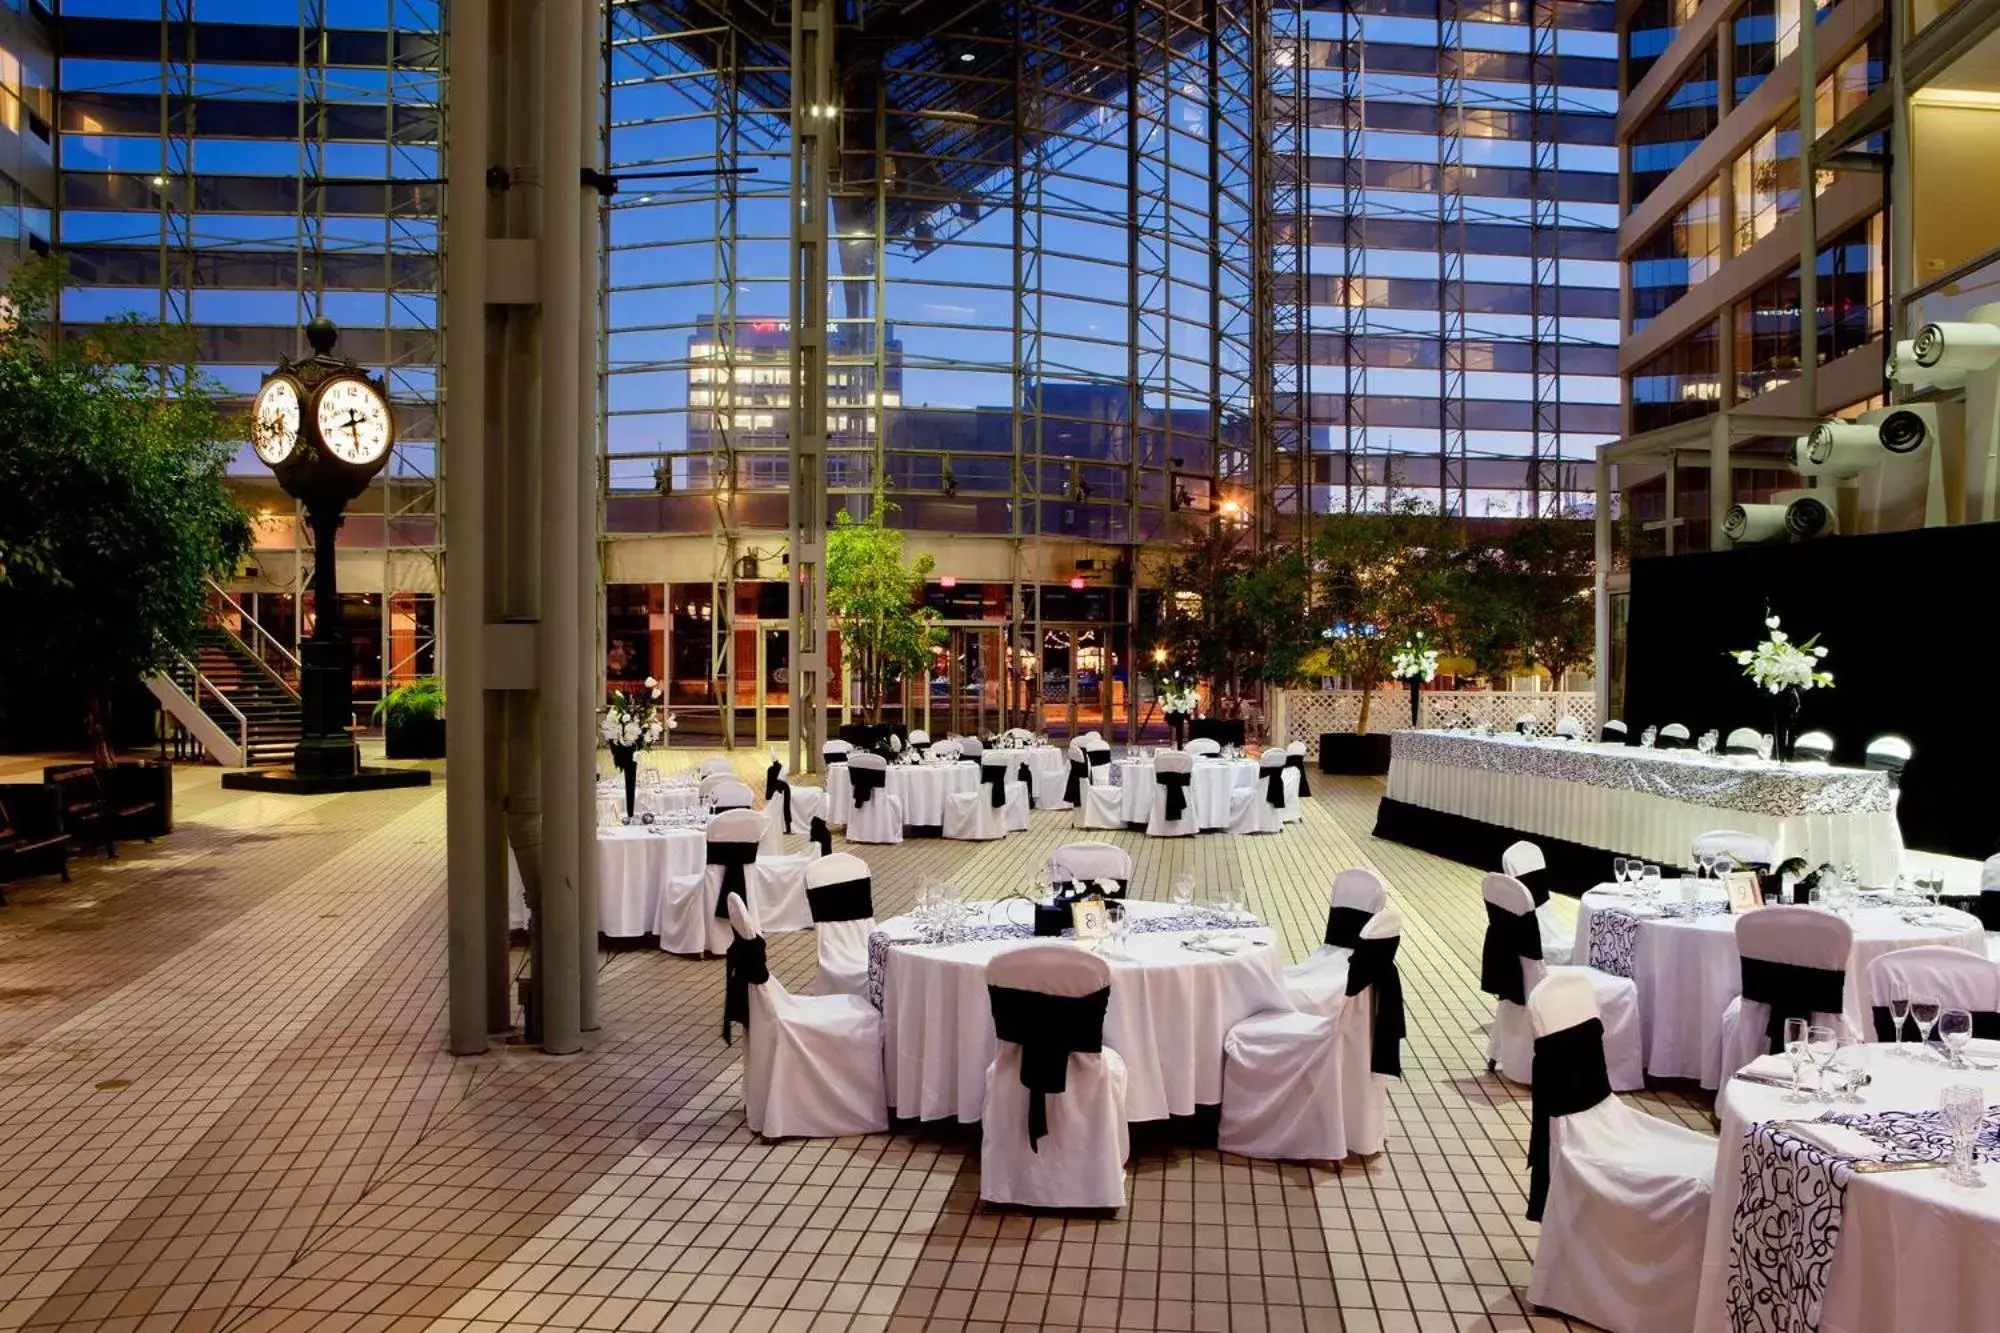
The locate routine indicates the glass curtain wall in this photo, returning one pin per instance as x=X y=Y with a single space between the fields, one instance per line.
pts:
x=1458 y=341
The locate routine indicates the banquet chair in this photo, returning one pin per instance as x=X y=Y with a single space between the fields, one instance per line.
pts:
x=1891 y=755
x=1622 y=1196
x=706 y=784
x=1261 y=807
x=1744 y=740
x=812 y=1064
x=839 y=789
x=920 y=740
x=836 y=752
x=1569 y=728
x=1510 y=969
x=877 y=815
x=1956 y=978
x=1745 y=850
x=1613 y=733
x=1525 y=724
x=715 y=766
x=1673 y=736
x=1048 y=774
x=841 y=898
x=1302 y=1086
x=1525 y=862
x=1206 y=746
x=1098 y=803
x=1173 y=796
x=1019 y=735
x=729 y=794
x=1021 y=766
x=793 y=807
x=1076 y=861
x=987 y=811
x=1296 y=786
x=692 y=919
x=1794 y=966
x=970 y=747
x=1052 y=1129
x=1316 y=983
x=1097 y=754
x=1814 y=746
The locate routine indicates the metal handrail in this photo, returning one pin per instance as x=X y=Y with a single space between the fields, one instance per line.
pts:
x=261 y=637
x=203 y=682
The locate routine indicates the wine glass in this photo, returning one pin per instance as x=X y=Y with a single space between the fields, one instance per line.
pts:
x=1822 y=1045
x=1795 y=1051
x=1964 y=1108
x=1707 y=860
x=1115 y=927
x=1183 y=891
x=1848 y=1070
x=1899 y=1014
x=1925 y=1009
x=1650 y=876
x=1618 y=867
x=1954 y=1028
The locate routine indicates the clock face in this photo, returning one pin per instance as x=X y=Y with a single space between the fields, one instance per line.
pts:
x=274 y=421
x=353 y=421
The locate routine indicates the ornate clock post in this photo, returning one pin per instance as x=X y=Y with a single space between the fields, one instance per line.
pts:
x=325 y=428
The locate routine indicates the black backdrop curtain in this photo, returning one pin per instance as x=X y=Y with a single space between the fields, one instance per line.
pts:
x=1904 y=618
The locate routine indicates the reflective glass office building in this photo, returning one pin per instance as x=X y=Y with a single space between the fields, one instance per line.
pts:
x=1099 y=269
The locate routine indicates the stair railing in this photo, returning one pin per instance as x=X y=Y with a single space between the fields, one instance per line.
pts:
x=184 y=679
x=278 y=661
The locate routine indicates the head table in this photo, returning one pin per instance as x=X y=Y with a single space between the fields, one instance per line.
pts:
x=1682 y=957
x=1651 y=803
x=1170 y=1008
x=1795 y=1229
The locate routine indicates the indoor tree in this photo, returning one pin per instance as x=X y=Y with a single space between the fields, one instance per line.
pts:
x=114 y=510
x=1524 y=598
x=1383 y=578
x=876 y=599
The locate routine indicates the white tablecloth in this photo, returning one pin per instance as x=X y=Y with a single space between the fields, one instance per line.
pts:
x=655 y=800
x=633 y=864
x=1688 y=970
x=1652 y=803
x=922 y=788
x=1916 y=1254
x=1214 y=780
x=1170 y=1009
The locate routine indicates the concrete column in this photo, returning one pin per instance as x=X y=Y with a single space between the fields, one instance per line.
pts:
x=588 y=283
x=1602 y=576
x=1719 y=483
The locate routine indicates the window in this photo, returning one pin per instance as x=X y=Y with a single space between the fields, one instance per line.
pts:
x=1680 y=384
x=1680 y=255
x=1767 y=182
x=1850 y=293
x=1676 y=128
x=1653 y=26
x=1767 y=337
x=1766 y=31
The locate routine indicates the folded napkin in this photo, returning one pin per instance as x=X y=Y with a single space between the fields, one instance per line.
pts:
x=1836 y=1139
x=1769 y=1066
x=1225 y=944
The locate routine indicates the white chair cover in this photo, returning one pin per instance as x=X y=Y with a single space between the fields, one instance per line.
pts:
x=1296 y=750
x=1019 y=734
x=1080 y=1162
x=807 y=803
x=1743 y=740
x=1203 y=745
x=812 y=1064
x=1250 y=808
x=1800 y=936
x=708 y=782
x=1745 y=849
x=714 y=765
x=1568 y=727
x=880 y=819
x=1511 y=1047
x=970 y=747
x=1956 y=978
x=843 y=945
x=1627 y=1209
x=918 y=736
x=1989 y=875
x=1558 y=941
x=1049 y=778
x=1318 y=983
x=839 y=794
x=971 y=816
x=729 y=794
x=1099 y=804
x=1816 y=745
x=1090 y=860
x=687 y=922
x=1159 y=826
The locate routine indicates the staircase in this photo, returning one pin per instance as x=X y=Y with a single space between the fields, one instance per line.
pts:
x=234 y=694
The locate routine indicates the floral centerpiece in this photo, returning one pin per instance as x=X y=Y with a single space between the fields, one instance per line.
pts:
x=1179 y=703
x=1784 y=670
x=1416 y=665
x=631 y=723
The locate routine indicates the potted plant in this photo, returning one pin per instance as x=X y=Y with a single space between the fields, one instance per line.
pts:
x=412 y=719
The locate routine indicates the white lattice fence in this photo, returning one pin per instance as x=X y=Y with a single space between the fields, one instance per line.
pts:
x=1311 y=712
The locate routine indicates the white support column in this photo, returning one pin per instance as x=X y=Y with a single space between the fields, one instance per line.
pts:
x=1602 y=566
x=587 y=281
x=816 y=122
x=1720 y=482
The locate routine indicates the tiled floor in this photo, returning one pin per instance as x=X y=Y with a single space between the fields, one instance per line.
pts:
x=228 y=1107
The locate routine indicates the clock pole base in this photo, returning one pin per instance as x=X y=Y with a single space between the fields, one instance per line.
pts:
x=294 y=783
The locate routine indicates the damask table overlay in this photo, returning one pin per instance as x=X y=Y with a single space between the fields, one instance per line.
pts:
x=1783 y=1234
x=881 y=941
x=1762 y=788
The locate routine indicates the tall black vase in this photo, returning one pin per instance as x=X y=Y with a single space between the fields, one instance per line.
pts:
x=628 y=764
x=1416 y=688
x=1177 y=727
x=1784 y=723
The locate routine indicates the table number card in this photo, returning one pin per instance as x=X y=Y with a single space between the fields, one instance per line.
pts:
x=1746 y=894
x=1088 y=917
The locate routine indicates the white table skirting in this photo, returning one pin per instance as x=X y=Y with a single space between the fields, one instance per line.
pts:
x=633 y=863
x=1209 y=792
x=1688 y=970
x=1915 y=1253
x=1170 y=1009
x=922 y=788
x=1553 y=791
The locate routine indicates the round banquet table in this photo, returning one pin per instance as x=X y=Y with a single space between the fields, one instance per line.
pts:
x=1209 y=793
x=1170 y=1009
x=1914 y=1252
x=633 y=863
x=921 y=787
x=1687 y=971
x=659 y=799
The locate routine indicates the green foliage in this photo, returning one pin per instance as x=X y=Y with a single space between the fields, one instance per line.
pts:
x=876 y=601
x=1383 y=580
x=422 y=698
x=1525 y=598
x=113 y=506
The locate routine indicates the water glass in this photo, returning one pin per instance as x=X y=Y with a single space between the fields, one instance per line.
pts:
x=1925 y=1009
x=1899 y=1014
x=1183 y=891
x=1954 y=1029
x=1964 y=1108
x=1651 y=878
x=1822 y=1045
x=1618 y=867
x=1795 y=1051
x=1115 y=927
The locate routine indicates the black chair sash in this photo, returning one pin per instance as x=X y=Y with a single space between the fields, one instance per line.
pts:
x=1373 y=963
x=1525 y=728
x=849 y=900
x=821 y=835
x=1569 y=1076
x=1510 y=937
x=1535 y=882
x=1792 y=991
x=1024 y=773
x=732 y=857
x=1297 y=763
x=834 y=757
x=1739 y=749
x=1608 y=733
x=1985 y=906
x=995 y=778
x=1985 y=1025
x=1343 y=926
x=1176 y=785
x=1083 y=888
x=1079 y=773
x=775 y=786
x=1048 y=1029
x=1274 y=787
x=1097 y=758
x=1666 y=742
x=743 y=966
x=867 y=781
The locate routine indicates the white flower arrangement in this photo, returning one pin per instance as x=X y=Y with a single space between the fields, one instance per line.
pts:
x=634 y=720
x=1184 y=699
x=1413 y=661
x=1777 y=664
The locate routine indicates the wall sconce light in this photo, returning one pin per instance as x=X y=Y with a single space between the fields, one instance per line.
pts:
x=1076 y=582
x=948 y=581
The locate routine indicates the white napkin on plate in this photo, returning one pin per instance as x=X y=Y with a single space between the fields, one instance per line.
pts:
x=1836 y=1139
x=1225 y=944
x=1770 y=1066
